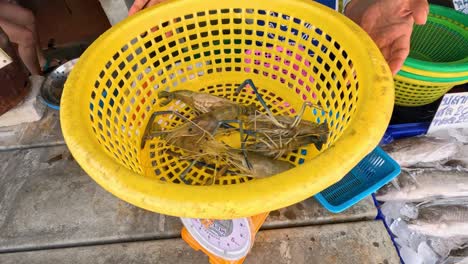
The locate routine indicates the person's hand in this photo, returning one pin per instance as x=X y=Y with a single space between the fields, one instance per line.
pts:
x=389 y=23
x=140 y=4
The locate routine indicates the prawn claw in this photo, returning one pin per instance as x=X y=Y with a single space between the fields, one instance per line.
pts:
x=168 y=96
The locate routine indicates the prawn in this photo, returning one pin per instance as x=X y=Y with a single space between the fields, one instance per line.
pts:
x=200 y=102
x=273 y=135
x=200 y=146
x=276 y=141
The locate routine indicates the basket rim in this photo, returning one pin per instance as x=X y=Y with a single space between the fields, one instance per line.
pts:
x=450 y=18
x=447 y=80
x=449 y=14
x=433 y=74
x=402 y=78
x=376 y=92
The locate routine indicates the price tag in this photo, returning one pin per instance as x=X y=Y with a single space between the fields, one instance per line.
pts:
x=4 y=59
x=461 y=5
x=452 y=113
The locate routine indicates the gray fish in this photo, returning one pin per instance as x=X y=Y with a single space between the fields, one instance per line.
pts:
x=424 y=184
x=456 y=260
x=462 y=251
x=441 y=221
x=409 y=152
x=460 y=160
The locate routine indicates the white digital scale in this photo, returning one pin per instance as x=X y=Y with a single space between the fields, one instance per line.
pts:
x=224 y=241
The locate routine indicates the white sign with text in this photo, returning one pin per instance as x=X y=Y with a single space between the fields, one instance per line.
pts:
x=452 y=113
x=461 y=5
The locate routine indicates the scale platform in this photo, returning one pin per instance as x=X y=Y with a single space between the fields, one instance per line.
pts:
x=223 y=241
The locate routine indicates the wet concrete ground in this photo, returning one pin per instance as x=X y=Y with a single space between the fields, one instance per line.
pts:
x=52 y=212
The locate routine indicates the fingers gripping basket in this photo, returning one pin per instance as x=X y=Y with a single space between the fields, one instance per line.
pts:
x=293 y=51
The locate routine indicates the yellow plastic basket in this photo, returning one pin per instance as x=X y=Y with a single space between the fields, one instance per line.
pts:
x=412 y=92
x=293 y=50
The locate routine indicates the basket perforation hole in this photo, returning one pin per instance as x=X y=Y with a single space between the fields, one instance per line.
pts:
x=202 y=24
x=344 y=54
x=139 y=50
x=127 y=75
x=124 y=48
x=295 y=32
x=315 y=42
x=116 y=56
x=188 y=16
x=108 y=64
x=162 y=49
x=192 y=26
x=158 y=39
x=322 y=77
x=108 y=83
x=214 y=22
x=165 y=24
x=201 y=13
x=114 y=74
x=130 y=58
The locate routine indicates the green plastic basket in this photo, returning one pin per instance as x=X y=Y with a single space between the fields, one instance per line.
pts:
x=441 y=45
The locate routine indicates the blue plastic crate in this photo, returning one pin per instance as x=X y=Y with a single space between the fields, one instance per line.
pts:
x=373 y=172
x=404 y=130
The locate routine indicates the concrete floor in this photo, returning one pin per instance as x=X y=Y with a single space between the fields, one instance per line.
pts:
x=361 y=242
x=52 y=212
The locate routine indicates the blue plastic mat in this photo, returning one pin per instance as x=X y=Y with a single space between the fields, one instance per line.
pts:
x=373 y=172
